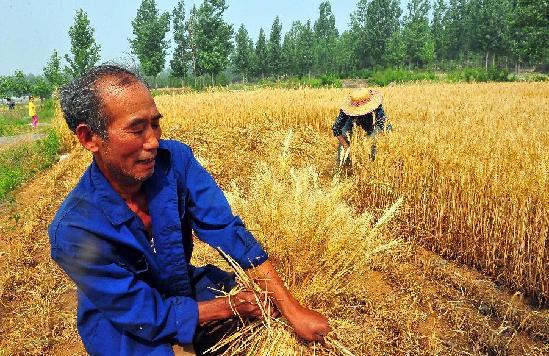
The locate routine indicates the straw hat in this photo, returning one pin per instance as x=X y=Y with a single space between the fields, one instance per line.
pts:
x=361 y=102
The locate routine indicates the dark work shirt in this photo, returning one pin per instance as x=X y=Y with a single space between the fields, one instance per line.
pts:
x=367 y=122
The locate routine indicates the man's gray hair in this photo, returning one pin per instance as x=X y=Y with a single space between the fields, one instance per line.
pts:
x=81 y=101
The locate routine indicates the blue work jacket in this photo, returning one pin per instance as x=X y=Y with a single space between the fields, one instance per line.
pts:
x=134 y=298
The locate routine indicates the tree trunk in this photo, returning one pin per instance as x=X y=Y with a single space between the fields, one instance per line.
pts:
x=486 y=61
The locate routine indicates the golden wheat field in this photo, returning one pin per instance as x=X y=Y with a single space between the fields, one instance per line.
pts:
x=439 y=246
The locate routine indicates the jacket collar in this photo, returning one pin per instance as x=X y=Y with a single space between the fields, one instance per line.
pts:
x=112 y=204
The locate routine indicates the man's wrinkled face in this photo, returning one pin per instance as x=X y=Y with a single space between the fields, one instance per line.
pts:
x=133 y=132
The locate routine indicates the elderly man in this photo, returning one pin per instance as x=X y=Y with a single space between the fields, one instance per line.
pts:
x=123 y=235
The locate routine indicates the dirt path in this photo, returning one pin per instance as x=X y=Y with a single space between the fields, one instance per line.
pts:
x=8 y=141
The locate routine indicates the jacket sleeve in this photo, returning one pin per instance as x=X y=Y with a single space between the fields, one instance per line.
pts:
x=339 y=123
x=213 y=220
x=380 y=118
x=128 y=302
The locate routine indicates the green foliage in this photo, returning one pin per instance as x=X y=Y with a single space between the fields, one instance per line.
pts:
x=16 y=85
x=182 y=54
x=305 y=49
x=372 y=25
x=493 y=74
x=21 y=162
x=491 y=33
x=346 y=61
x=457 y=25
x=530 y=25
x=14 y=122
x=274 y=49
x=438 y=29
x=416 y=34
x=394 y=75
x=41 y=88
x=326 y=38
x=52 y=71
x=20 y=85
x=299 y=82
x=242 y=58
x=290 y=50
x=212 y=38
x=150 y=45
x=331 y=81
x=260 y=58
x=85 y=51
x=190 y=28
x=396 y=50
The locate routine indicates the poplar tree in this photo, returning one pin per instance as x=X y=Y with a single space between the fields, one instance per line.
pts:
x=305 y=47
x=416 y=34
x=396 y=50
x=274 y=49
x=438 y=29
x=85 y=51
x=372 y=25
x=457 y=27
x=530 y=25
x=290 y=50
x=490 y=35
x=326 y=36
x=181 y=55
x=52 y=70
x=190 y=30
x=346 y=60
x=242 y=57
x=212 y=38
x=260 y=57
x=150 y=44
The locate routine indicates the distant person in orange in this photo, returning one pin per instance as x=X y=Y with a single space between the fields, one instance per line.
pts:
x=32 y=111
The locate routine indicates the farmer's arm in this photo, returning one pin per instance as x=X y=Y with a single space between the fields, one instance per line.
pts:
x=380 y=119
x=337 y=128
x=343 y=141
x=307 y=323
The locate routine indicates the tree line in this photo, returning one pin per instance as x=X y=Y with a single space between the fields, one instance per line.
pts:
x=445 y=35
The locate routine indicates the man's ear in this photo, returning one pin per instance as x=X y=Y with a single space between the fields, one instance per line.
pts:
x=87 y=138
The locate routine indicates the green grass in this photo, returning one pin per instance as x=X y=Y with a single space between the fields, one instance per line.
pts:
x=20 y=163
x=17 y=121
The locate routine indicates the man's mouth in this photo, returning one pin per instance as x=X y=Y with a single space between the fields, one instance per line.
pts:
x=146 y=161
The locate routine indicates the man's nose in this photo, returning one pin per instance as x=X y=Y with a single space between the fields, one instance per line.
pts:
x=152 y=141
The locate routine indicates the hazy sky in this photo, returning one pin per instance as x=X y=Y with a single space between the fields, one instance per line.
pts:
x=31 y=29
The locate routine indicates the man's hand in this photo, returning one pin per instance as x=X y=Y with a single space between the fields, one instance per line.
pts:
x=248 y=305
x=308 y=324
x=343 y=141
x=244 y=304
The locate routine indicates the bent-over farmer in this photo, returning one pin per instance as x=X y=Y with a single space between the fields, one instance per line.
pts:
x=123 y=234
x=363 y=108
